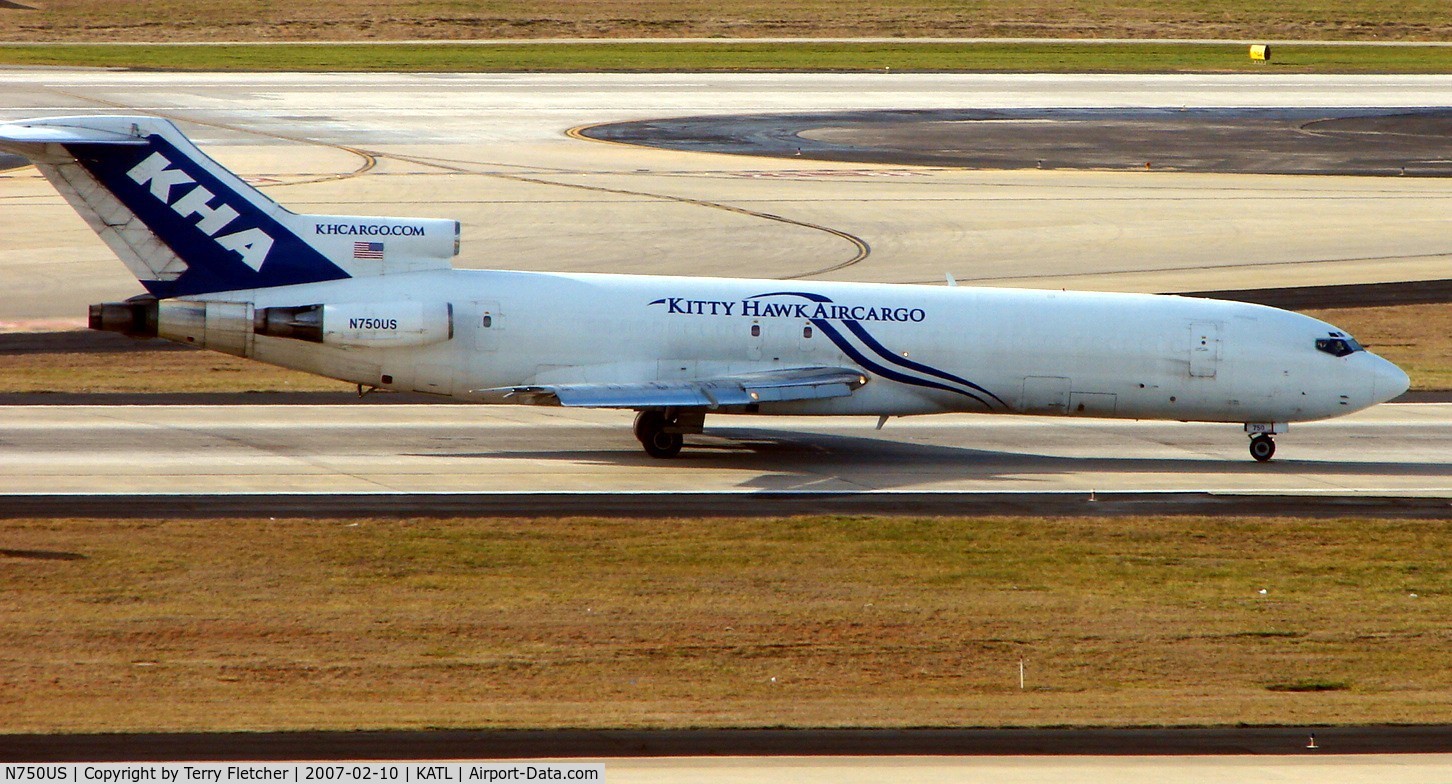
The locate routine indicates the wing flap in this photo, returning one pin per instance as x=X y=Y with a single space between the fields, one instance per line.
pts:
x=770 y=386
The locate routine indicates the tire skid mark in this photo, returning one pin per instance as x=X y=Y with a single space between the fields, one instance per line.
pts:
x=860 y=246
x=369 y=160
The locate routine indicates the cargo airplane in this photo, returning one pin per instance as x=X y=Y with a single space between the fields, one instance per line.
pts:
x=376 y=302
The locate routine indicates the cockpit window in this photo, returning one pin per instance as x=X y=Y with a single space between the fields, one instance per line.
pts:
x=1339 y=344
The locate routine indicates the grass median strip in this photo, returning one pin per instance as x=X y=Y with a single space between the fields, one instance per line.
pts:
x=741 y=56
x=812 y=621
x=150 y=366
x=225 y=20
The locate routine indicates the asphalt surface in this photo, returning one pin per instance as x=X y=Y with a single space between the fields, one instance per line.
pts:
x=1362 y=295
x=526 y=744
x=1340 y=140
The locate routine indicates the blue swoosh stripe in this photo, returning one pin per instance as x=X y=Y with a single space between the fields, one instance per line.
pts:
x=851 y=351
x=867 y=338
x=882 y=351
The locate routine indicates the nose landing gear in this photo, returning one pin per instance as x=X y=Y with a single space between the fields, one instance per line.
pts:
x=1263 y=438
x=1262 y=448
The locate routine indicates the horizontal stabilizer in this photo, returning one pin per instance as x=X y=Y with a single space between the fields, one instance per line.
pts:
x=13 y=136
x=771 y=386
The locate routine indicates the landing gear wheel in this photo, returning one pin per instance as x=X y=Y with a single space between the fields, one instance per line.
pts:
x=663 y=444
x=647 y=422
x=650 y=431
x=1262 y=448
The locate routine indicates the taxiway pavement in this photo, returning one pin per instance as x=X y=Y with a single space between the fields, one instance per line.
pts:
x=1408 y=769
x=1347 y=755
x=1389 y=450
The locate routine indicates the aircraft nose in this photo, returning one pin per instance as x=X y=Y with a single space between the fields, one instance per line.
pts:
x=1388 y=381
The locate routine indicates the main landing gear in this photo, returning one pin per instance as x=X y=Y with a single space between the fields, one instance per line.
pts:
x=661 y=432
x=650 y=430
x=1263 y=438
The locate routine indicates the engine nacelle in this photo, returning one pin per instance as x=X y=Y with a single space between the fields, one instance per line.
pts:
x=219 y=326
x=230 y=326
x=360 y=324
x=136 y=317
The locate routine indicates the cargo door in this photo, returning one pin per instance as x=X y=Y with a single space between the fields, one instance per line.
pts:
x=1093 y=404
x=434 y=378
x=1045 y=395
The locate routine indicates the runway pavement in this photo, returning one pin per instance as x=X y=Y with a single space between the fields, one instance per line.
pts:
x=1329 y=769
x=1404 y=769
x=492 y=150
x=1346 y=754
x=1389 y=450
x=700 y=745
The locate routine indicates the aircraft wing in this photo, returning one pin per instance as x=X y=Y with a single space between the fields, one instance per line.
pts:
x=769 y=386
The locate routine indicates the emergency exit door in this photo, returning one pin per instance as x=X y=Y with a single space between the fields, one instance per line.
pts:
x=1204 y=349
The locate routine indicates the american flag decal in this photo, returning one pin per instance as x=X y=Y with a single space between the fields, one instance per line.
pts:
x=368 y=250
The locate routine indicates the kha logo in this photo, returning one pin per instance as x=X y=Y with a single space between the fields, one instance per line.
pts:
x=157 y=173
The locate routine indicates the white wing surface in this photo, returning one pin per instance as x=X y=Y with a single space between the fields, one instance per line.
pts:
x=770 y=386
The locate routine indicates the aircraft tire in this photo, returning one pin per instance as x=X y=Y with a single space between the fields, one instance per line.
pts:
x=647 y=422
x=1262 y=448
x=650 y=431
x=664 y=445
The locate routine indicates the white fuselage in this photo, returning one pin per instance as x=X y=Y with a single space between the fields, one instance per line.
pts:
x=924 y=349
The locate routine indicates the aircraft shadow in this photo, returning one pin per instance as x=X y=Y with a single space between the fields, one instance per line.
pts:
x=791 y=460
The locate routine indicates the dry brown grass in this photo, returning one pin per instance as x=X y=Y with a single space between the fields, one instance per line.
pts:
x=151 y=366
x=1416 y=337
x=203 y=20
x=256 y=624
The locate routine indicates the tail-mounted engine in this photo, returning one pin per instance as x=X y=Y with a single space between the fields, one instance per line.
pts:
x=231 y=326
x=363 y=324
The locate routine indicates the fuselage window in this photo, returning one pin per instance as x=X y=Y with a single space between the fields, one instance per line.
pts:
x=756 y=330
x=488 y=320
x=1338 y=346
x=807 y=332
